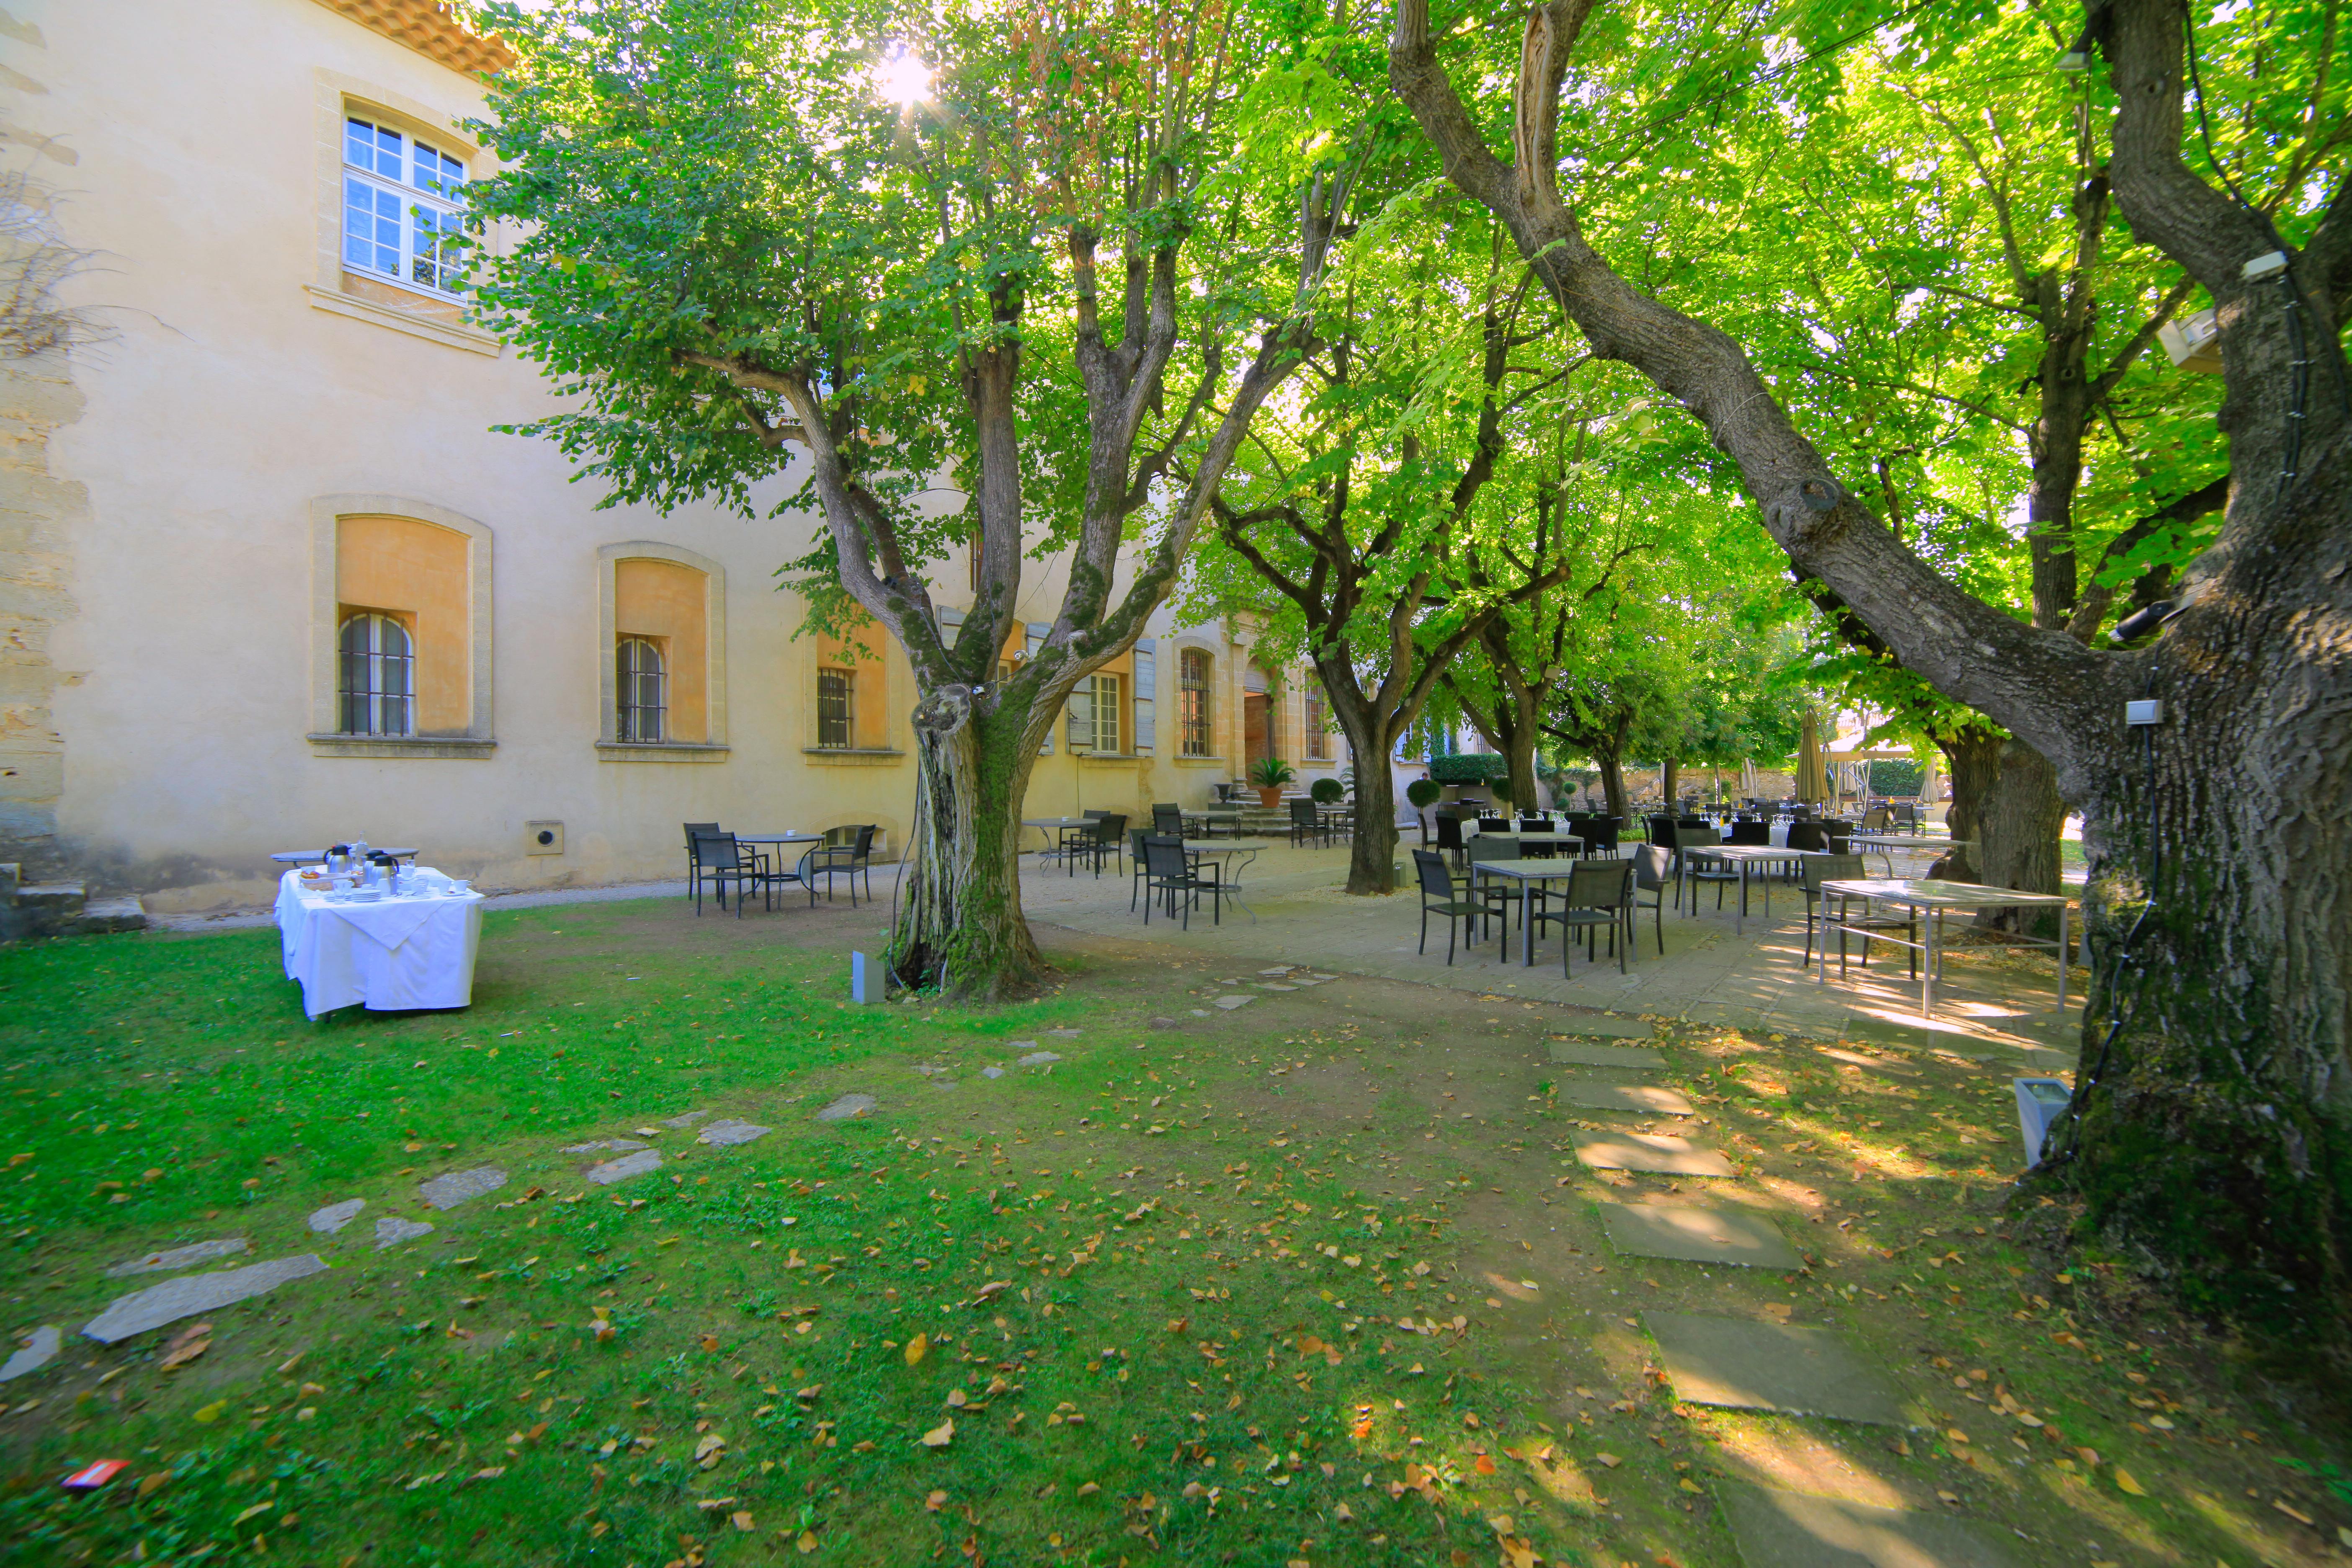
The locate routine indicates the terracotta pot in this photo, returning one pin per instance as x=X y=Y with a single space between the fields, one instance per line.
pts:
x=1270 y=797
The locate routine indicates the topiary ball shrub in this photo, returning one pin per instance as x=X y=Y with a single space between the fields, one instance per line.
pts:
x=1423 y=793
x=1326 y=792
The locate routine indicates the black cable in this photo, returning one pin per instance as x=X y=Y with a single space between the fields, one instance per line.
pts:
x=2119 y=1013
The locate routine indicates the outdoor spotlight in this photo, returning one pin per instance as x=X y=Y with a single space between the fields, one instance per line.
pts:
x=2140 y=623
x=2077 y=56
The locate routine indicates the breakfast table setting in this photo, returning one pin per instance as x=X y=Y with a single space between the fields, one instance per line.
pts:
x=355 y=930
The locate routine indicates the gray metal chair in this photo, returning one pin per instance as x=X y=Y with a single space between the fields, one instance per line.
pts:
x=693 y=866
x=1600 y=893
x=1654 y=873
x=1173 y=874
x=1437 y=898
x=1498 y=896
x=1840 y=868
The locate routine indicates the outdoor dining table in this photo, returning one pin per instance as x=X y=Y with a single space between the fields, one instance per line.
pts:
x=387 y=954
x=1526 y=874
x=1744 y=856
x=1887 y=843
x=1933 y=899
x=1230 y=875
x=1209 y=816
x=1053 y=827
x=317 y=856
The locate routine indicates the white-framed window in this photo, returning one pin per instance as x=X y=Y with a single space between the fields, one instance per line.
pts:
x=640 y=692
x=1192 y=700
x=1146 y=690
x=1317 y=724
x=1095 y=708
x=401 y=215
x=836 y=710
x=377 y=685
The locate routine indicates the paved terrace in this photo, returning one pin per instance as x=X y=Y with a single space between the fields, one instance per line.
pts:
x=2003 y=1009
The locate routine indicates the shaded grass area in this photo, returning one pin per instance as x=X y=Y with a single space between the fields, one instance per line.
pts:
x=1315 y=1281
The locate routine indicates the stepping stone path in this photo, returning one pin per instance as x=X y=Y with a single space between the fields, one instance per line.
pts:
x=1271 y=986
x=447 y=1192
x=192 y=1293
x=41 y=1347
x=1868 y=1063
x=728 y=1131
x=1064 y=1034
x=1230 y=1003
x=1741 y=1364
x=334 y=1216
x=1792 y=1529
x=1581 y=1053
x=180 y=1258
x=847 y=1106
x=1595 y=1095
x=604 y=1145
x=627 y=1166
x=391 y=1231
x=689 y=1120
x=991 y=1071
x=1697 y=1235
x=1038 y=1058
x=1278 y=972
x=1658 y=1152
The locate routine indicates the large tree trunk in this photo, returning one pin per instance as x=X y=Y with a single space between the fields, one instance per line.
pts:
x=1372 y=847
x=1613 y=783
x=960 y=888
x=1670 y=784
x=1973 y=754
x=2021 y=821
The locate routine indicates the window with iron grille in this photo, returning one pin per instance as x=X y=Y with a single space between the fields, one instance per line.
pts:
x=401 y=207
x=836 y=709
x=640 y=692
x=1318 y=725
x=1192 y=700
x=377 y=683
x=1095 y=712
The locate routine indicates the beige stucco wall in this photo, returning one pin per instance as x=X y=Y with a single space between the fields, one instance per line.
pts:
x=241 y=394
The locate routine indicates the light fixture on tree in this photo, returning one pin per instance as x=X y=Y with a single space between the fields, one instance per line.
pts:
x=2193 y=342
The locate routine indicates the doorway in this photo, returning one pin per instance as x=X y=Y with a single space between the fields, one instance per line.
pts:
x=1258 y=738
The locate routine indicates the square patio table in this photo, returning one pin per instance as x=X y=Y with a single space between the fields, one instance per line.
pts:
x=1053 y=827
x=1932 y=900
x=1887 y=843
x=1209 y=816
x=1526 y=874
x=1744 y=856
x=1231 y=876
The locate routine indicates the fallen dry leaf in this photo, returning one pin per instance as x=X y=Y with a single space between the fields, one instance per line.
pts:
x=741 y=1519
x=2125 y=1482
x=936 y=1501
x=918 y=1348
x=1607 y=1461
x=186 y=1346
x=940 y=1435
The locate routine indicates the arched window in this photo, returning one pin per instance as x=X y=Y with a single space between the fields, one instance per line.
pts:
x=640 y=699
x=1192 y=700
x=377 y=685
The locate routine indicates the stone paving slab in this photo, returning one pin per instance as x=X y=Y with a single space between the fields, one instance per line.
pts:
x=192 y=1293
x=1657 y=1153
x=334 y=1216
x=1746 y=1365
x=1039 y=1059
x=447 y=1192
x=1578 y=1053
x=40 y=1348
x=1692 y=1234
x=847 y=1106
x=637 y=1164
x=689 y=1120
x=730 y=1131
x=1596 y=1095
x=605 y=1145
x=391 y=1231
x=180 y=1258
x=1792 y=1529
x=1603 y=1026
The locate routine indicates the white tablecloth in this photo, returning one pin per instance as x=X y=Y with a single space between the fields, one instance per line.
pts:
x=387 y=956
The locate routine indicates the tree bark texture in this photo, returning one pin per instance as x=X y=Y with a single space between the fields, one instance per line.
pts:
x=962 y=885
x=1974 y=754
x=2021 y=820
x=2212 y=1124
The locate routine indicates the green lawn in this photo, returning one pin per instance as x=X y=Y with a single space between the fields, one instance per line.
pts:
x=1311 y=1281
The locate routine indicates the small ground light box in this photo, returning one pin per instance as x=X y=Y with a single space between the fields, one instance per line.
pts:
x=2039 y=1101
x=2194 y=343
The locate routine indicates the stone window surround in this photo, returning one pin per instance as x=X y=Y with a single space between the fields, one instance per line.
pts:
x=327 y=513
x=335 y=96
x=610 y=747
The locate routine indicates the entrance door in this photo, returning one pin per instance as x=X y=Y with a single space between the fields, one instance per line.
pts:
x=1257 y=727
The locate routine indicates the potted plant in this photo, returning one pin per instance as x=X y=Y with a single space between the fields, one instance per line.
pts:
x=1269 y=775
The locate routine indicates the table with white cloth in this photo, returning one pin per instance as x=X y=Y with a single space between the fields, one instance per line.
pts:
x=388 y=955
